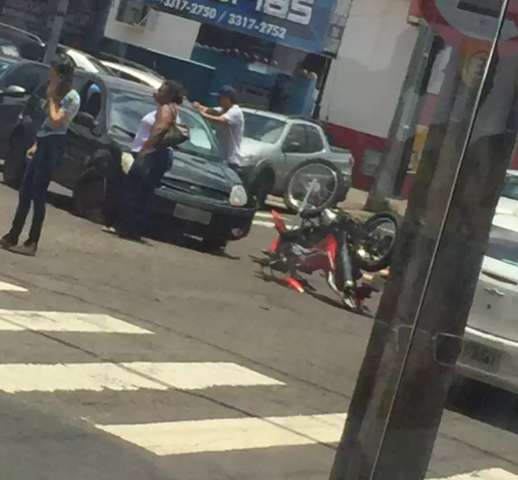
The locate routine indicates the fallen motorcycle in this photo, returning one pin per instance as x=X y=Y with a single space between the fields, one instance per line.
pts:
x=328 y=240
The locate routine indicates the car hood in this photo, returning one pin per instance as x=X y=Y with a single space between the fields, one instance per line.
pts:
x=189 y=172
x=254 y=148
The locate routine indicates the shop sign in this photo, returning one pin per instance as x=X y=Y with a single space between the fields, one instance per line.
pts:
x=300 y=24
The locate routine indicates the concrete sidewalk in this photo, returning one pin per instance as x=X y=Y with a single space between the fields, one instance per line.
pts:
x=356 y=200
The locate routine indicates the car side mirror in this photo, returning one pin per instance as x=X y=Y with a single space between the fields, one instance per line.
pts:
x=14 y=91
x=292 y=147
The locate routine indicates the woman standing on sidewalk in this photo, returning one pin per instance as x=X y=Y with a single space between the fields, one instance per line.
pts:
x=44 y=156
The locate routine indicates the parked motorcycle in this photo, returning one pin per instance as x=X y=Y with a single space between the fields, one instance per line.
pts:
x=328 y=240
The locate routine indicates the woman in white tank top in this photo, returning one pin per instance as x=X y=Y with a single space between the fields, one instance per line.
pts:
x=141 y=184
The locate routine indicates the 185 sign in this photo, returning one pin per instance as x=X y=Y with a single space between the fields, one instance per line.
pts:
x=297 y=11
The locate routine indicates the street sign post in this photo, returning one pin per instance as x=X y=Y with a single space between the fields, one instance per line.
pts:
x=300 y=24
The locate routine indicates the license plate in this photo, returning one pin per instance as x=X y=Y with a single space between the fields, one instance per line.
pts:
x=196 y=215
x=482 y=357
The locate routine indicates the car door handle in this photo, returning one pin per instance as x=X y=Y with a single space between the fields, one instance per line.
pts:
x=495 y=292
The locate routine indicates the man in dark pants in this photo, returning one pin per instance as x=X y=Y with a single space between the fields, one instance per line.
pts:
x=63 y=104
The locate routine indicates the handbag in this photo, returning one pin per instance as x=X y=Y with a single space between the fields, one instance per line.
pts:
x=176 y=134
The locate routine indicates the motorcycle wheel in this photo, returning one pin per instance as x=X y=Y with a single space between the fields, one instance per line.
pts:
x=374 y=246
x=330 y=186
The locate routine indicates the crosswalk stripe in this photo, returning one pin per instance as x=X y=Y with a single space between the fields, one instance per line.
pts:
x=15 y=378
x=276 y=203
x=263 y=215
x=491 y=474
x=261 y=223
x=8 y=287
x=41 y=321
x=219 y=435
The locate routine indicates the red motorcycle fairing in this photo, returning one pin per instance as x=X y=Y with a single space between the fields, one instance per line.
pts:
x=279 y=222
x=280 y=226
x=323 y=256
x=332 y=251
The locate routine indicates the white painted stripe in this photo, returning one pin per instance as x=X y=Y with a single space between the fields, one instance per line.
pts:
x=491 y=474
x=276 y=203
x=200 y=375
x=174 y=438
x=16 y=378
x=51 y=378
x=261 y=223
x=8 y=287
x=263 y=215
x=40 y=321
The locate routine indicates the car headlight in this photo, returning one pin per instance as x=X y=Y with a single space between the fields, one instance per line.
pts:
x=238 y=196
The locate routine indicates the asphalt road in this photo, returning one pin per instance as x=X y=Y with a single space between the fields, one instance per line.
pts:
x=159 y=361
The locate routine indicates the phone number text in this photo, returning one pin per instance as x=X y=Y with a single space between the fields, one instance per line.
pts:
x=211 y=13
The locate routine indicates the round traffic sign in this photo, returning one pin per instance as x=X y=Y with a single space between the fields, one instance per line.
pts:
x=459 y=20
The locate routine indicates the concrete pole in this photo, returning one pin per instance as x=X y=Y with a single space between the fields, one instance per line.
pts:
x=57 y=27
x=409 y=364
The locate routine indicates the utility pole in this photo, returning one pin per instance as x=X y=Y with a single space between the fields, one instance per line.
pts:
x=402 y=130
x=410 y=360
x=57 y=27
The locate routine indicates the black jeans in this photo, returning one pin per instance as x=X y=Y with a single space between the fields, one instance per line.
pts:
x=137 y=194
x=35 y=185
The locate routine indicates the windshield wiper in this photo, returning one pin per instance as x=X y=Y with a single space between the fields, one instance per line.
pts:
x=123 y=130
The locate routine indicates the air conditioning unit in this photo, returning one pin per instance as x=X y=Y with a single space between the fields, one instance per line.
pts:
x=133 y=12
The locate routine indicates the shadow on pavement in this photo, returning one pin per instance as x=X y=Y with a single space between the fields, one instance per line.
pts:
x=39 y=445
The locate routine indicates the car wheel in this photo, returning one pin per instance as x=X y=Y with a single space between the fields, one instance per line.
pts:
x=14 y=165
x=214 y=244
x=88 y=199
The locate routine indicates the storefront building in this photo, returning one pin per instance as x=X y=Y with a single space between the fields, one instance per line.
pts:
x=369 y=44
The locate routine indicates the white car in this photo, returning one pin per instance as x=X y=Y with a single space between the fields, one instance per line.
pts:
x=134 y=74
x=508 y=204
x=490 y=352
x=84 y=61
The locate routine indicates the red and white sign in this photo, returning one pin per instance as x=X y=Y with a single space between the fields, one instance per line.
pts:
x=459 y=20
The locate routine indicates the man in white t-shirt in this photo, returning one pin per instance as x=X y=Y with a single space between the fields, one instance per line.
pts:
x=230 y=123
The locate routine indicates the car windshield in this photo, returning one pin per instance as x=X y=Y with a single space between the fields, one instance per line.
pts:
x=128 y=108
x=202 y=141
x=511 y=187
x=263 y=128
x=503 y=245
